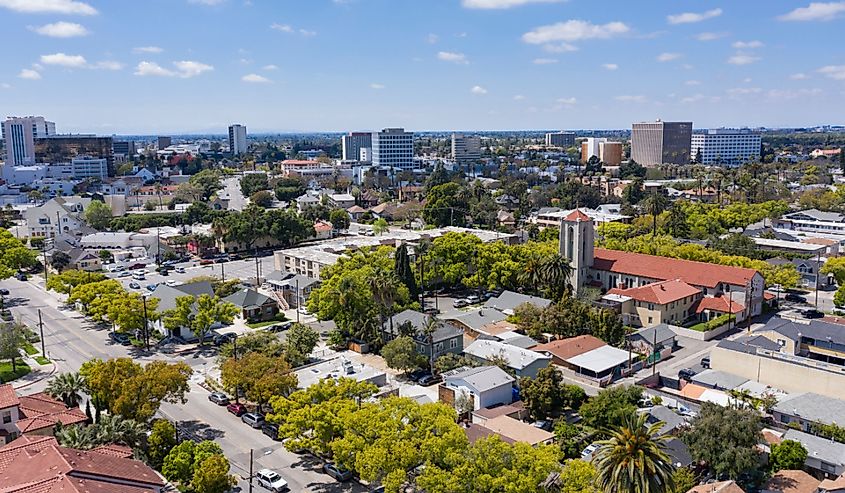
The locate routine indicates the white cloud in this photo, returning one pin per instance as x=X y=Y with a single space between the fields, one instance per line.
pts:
x=708 y=36
x=609 y=66
x=270 y=67
x=30 y=74
x=49 y=7
x=190 y=68
x=566 y=101
x=574 y=30
x=747 y=45
x=184 y=69
x=742 y=59
x=747 y=80
x=544 y=61
x=147 y=49
x=307 y=33
x=478 y=90
x=692 y=83
x=255 y=79
x=5 y=85
x=107 y=65
x=285 y=28
x=560 y=48
x=631 y=98
x=668 y=57
x=742 y=91
x=60 y=30
x=785 y=94
x=816 y=11
x=207 y=2
x=432 y=38
x=449 y=56
x=691 y=17
x=62 y=60
x=500 y=4
x=799 y=76
x=833 y=71
x=376 y=86
x=692 y=99
x=519 y=97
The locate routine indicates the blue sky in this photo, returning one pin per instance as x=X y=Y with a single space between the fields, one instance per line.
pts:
x=167 y=66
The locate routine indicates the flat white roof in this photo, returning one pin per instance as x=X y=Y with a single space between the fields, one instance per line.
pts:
x=792 y=245
x=600 y=359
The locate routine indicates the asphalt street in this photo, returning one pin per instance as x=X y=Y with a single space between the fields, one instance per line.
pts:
x=71 y=340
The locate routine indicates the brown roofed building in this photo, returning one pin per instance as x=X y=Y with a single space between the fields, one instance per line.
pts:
x=792 y=481
x=35 y=414
x=563 y=349
x=729 y=486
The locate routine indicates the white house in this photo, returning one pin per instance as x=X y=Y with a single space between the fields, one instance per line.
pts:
x=487 y=385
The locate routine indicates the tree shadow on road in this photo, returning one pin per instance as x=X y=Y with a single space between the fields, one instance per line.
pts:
x=198 y=431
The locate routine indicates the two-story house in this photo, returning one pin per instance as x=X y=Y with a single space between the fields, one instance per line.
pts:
x=35 y=414
x=444 y=338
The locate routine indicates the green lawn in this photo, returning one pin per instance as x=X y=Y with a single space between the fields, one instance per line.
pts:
x=30 y=349
x=6 y=374
x=42 y=360
x=257 y=325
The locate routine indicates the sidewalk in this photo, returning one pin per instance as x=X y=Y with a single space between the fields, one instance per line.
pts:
x=39 y=372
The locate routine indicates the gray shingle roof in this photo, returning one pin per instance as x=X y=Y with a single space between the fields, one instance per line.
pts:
x=671 y=419
x=664 y=333
x=419 y=321
x=247 y=297
x=509 y=300
x=737 y=346
x=482 y=378
x=478 y=318
x=818 y=447
x=718 y=379
x=167 y=294
x=816 y=329
x=813 y=407
x=760 y=341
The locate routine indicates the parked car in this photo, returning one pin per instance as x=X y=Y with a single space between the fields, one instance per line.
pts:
x=416 y=375
x=271 y=480
x=137 y=276
x=460 y=303
x=543 y=424
x=812 y=313
x=152 y=287
x=206 y=261
x=221 y=339
x=180 y=270
x=221 y=260
x=120 y=338
x=126 y=273
x=686 y=373
x=431 y=310
x=336 y=472
x=280 y=327
x=20 y=276
x=236 y=408
x=137 y=266
x=705 y=362
x=254 y=420
x=4 y=292
x=171 y=282
x=473 y=299
x=271 y=430
x=134 y=285
x=430 y=380
x=795 y=298
x=219 y=398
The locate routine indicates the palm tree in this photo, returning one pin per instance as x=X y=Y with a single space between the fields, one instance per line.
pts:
x=116 y=429
x=655 y=203
x=78 y=437
x=555 y=271
x=532 y=272
x=633 y=459
x=385 y=285
x=67 y=387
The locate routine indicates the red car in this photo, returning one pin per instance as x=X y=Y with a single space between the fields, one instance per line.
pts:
x=206 y=261
x=236 y=409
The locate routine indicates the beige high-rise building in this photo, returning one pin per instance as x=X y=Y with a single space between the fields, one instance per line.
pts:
x=610 y=153
x=590 y=148
x=20 y=134
x=659 y=142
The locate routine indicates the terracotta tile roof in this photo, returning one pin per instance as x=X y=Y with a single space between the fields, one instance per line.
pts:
x=768 y=296
x=8 y=398
x=662 y=268
x=499 y=327
x=571 y=347
x=721 y=487
x=39 y=411
x=792 y=481
x=110 y=466
x=771 y=437
x=114 y=450
x=833 y=484
x=576 y=215
x=661 y=292
x=10 y=451
x=719 y=304
x=692 y=391
x=476 y=432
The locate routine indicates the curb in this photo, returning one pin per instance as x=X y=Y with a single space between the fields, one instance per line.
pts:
x=50 y=374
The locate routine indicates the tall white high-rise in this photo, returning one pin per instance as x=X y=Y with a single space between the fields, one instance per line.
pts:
x=725 y=146
x=393 y=148
x=353 y=142
x=237 y=139
x=20 y=134
x=466 y=148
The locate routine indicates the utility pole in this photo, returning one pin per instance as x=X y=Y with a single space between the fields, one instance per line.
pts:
x=654 y=352
x=222 y=272
x=250 y=470
x=146 y=326
x=818 y=268
x=298 y=300
x=44 y=255
x=41 y=328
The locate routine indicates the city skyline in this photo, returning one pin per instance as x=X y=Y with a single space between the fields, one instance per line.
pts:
x=197 y=66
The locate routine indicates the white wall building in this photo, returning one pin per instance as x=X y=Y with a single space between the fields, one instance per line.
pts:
x=725 y=146
x=23 y=175
x=393 y=148
x=80 y=168
x=560 y=139
x=20 y=134
x=591 y=146
x=466 y=148
x=353 y=143
x=237 y=139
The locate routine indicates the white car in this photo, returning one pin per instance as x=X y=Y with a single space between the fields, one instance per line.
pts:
x=171 y=282
x=271 y=480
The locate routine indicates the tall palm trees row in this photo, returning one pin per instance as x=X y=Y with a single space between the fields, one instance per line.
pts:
x=547 y=274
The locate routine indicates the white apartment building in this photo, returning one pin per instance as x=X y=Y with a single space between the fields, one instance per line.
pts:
x=237 y=139
x=560 y=139
x=20 y=134
x=353 y=142
x=80 y=168
x=590 y=147
x=725 y=146
x=466 y=148
x=393 y=148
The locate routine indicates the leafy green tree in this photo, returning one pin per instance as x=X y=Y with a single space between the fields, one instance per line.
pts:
x=98 y=215
x=446 y=205
x=631 y=169
x=787 y=455
x=676 y=223
x=208 y=181
x=655 y=203
x=254 y=182
x=725 y=439
x=401 y=354
x=59 y=260
x=578 y=476
x=259 y=376
x=633 y=193
x=684 y=479
x=12 y=340
x=287 y=189
x=67 y=387
x=634 y=459
x=209 y=310
x=404 y=271
x=611 y=406
x=839 y=297
x=450 y=361
x=450 y=258
x=439 y=176
x=212 y=476
x=380 y=226
x=161 y=441
x=548 y=393
x=835 y=266
x=262 y=198
x=300 y=340
x=178 y=464
x=340 y=219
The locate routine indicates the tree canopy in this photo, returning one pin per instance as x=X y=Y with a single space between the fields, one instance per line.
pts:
x=725 y=438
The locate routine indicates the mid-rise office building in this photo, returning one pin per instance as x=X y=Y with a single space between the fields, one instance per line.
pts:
x=20 y=134
x=725 y=146
x=237 y=139
x=64 y=148
x=560 y=139
x=610 y=153
x=352 y=144
x=164 y=142
x=466 y=148
x=125 y=148
x=393 y=148
x=590 y=148
x=656 y=143
x=79 y=168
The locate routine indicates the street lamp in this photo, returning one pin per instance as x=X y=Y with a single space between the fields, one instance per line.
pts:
x=146 y=325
